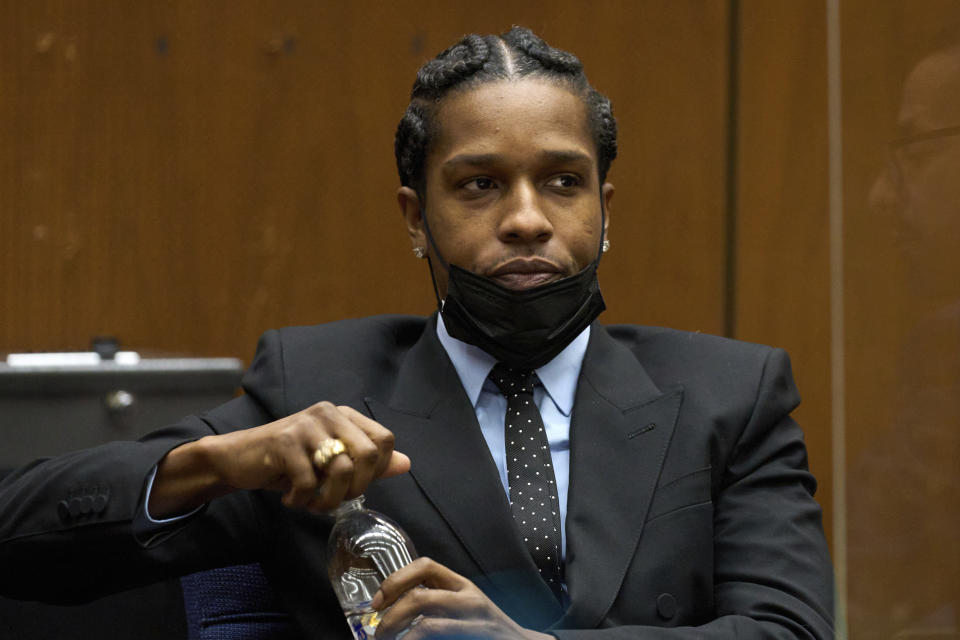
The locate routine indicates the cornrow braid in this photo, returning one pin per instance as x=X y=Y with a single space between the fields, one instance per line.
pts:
x=479 y=59
x=555 y=60
x=451 y=67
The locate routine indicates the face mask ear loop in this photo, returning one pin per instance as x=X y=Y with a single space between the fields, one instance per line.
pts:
x=436 y=252
x=603 y=224
x=433 y=279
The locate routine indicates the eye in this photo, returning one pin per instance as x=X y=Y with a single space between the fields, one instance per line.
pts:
x=479 y=184
x=564 y=181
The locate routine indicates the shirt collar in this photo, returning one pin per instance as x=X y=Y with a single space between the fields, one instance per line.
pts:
x=559 y=376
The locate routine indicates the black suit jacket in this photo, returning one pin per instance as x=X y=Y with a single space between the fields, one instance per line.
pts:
x=690 y=510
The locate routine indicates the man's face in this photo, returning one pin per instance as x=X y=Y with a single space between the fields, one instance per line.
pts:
x=512 y=191
x=921 y=186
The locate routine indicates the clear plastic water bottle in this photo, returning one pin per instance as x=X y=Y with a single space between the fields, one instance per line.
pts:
x=365 y=547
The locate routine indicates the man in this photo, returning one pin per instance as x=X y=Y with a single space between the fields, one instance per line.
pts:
x=667 y=483
x=901 y=480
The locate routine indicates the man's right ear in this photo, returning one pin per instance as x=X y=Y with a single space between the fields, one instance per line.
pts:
x=410 y=209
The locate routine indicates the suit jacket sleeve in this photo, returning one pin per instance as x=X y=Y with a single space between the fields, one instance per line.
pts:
x=772 y=571
x=68 y=525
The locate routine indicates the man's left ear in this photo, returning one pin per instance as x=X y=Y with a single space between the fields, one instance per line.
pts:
x=606 y=193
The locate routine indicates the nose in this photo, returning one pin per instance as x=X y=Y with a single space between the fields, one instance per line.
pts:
x=524 y=219
x=886 y=191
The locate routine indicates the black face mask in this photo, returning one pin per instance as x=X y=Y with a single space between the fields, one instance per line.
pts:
x=524 y=329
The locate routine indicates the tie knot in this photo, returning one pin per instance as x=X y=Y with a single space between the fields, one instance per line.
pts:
x=513 y=381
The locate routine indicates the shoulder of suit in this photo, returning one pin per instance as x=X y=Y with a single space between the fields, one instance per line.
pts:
x=645 y=338
x=713 y=370
x=685 y=353
x=351 y=342
x=395 y=329
x=337 y=361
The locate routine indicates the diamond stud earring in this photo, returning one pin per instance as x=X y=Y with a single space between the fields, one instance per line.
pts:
x=419 y=252
x=605 y=246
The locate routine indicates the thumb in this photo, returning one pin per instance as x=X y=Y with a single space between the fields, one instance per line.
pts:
x=398 y=463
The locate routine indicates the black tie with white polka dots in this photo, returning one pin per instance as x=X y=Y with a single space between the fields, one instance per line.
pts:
x=533 y=488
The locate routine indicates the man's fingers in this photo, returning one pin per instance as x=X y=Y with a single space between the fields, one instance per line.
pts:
x=301 y=481
x=447 y=596
x=446 y=614
x=282 y=456
x=438 y=603
x=433 y=603
x=446 y=628
x=335 y=484
x=422 y=571
x=380 y=437
x=361 y=449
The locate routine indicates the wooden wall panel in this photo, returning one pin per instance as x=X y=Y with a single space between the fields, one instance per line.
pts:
x=782 y=272
x=666 y=266
x=186 y=175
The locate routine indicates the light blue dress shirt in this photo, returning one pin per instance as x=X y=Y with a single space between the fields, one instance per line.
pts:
x=554 y=397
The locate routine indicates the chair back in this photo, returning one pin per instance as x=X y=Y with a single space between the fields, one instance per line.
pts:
x=234 y=603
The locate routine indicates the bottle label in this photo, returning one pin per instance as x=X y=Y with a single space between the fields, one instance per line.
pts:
x=364 y=624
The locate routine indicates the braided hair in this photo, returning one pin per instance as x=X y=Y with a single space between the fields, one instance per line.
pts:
x=479 y=59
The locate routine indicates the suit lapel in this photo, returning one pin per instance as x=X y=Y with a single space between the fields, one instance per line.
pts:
x=434 y=423
x=620 y=430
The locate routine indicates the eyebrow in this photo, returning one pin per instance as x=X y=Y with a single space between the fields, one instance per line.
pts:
x=921 y=136
x=551 y=156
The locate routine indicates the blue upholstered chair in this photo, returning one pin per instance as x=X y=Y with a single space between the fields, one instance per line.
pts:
x=234 y=603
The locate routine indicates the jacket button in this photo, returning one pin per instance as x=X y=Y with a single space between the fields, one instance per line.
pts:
x=100 y=503
x=73 y=505
x=86 y=505
x=666 y=606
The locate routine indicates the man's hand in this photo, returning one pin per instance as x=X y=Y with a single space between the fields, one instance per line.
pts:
x=279 y=456
x=451 y=606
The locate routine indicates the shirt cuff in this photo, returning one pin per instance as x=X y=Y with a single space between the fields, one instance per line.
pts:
x=149 y=530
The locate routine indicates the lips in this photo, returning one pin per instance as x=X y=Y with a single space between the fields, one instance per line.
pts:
x=525 y=273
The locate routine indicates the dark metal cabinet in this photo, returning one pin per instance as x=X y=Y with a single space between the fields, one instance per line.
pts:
x=51 y=409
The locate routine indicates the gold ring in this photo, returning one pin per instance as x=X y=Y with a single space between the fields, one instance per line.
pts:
x=327 y=451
